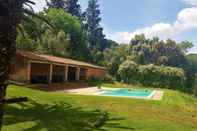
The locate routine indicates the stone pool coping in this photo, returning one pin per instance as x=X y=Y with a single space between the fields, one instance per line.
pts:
x=94 y=91
x=158 y=95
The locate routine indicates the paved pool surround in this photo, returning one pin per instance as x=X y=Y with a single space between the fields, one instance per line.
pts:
x=155 y=94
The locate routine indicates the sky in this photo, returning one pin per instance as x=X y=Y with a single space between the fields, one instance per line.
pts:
x=123 y=19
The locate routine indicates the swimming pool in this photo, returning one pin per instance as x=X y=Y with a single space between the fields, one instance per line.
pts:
x=119 y=92
x=137 y=93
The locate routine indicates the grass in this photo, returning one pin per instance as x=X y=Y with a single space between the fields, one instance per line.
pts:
x=62 y=112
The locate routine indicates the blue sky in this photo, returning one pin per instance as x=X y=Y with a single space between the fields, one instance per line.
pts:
x=122 y=19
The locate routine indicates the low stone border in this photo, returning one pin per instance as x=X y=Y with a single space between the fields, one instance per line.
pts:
x=155 y=95
x=158 y=95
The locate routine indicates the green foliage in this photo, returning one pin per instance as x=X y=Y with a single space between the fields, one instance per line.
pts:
x=102 y=120
x=98 y=81
x=109 y=79
x=192 y=60
x=24 y=42
x=127 y=71
x=55 y=45
x=97 y=56
x=114 y=57
x=86 y=41
x=58 y=111
x=73 y=8
x=185 y=45
x=152 y=75
x=148 y=51
x=70 y=6
x=70 y=25
x=162 y=60
x=59 y=4
x=191 y=69
x=194 y=86
x=69 y=40
x=96 y=38
x=145 y=51
x=161 y=76
x=111 y=44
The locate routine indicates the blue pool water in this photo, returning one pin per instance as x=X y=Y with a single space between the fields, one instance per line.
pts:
x=128 y=93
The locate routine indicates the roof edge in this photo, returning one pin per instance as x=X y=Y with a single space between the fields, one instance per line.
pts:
x=56 y=59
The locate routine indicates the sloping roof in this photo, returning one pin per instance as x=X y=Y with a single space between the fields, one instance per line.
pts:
x=50 y=58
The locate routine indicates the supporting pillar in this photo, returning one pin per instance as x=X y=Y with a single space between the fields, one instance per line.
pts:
x=29 y=72
x=51 y=73
x=66 y=73
x=78 y=74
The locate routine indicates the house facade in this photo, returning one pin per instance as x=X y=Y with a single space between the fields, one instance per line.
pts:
x=28 y=67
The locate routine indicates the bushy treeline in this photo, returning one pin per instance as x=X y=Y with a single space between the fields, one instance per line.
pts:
x=194 y=86
x=78 y=35
x=153 y=62
x=146 y=51
x=74 y=34
x=66 y=39
x=192 y=58
x=152 y=75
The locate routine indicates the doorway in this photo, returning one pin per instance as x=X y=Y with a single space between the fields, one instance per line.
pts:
x=39 y=73
x=72 y=74
x=58 y=74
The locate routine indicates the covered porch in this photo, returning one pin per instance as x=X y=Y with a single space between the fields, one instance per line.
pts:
x=48 y=73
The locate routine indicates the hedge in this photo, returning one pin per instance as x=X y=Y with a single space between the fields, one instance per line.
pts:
x=152 y=75
x=195 y=86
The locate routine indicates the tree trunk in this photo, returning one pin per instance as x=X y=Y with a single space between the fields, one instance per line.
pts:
x=8 y=23
x=7 y=51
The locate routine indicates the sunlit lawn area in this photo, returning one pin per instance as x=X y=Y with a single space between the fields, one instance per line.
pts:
x=63 y=112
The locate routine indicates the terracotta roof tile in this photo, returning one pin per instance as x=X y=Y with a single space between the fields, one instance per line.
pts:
x=50 y=58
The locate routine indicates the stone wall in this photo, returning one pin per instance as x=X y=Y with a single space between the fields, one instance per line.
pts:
x=95 y=73
x=19 y=70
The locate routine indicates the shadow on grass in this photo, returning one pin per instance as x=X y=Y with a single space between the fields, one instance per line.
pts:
x=58 y=117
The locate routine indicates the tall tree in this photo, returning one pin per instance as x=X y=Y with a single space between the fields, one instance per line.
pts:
x=73 y=8
x=185 y=46
x=56 y=4
x=70 y=26
x=93 y=19
x=56 y=45
x=12 y=12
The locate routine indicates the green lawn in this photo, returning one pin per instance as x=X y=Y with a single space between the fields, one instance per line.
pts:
x=63 y=112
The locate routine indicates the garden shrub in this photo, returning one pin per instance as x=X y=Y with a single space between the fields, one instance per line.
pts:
x=108 y=78
x=161 y=76
x=127 y=70
x=152 y=75
x=195 y=86
x=98 y=81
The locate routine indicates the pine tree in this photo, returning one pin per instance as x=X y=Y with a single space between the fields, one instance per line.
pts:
x=95 y=32
x=73 y=8
x=56 y=4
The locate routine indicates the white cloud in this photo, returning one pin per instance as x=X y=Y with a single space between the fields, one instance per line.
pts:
x=39 y=5
x=186 y=19
x=191 y=2
x=121 y=37
x=193 y=50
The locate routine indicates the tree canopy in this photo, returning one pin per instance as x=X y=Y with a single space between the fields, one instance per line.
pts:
x=69 y=36
x=79 y=35
x=59 y=4
x=96 y=38
x=73 y=8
